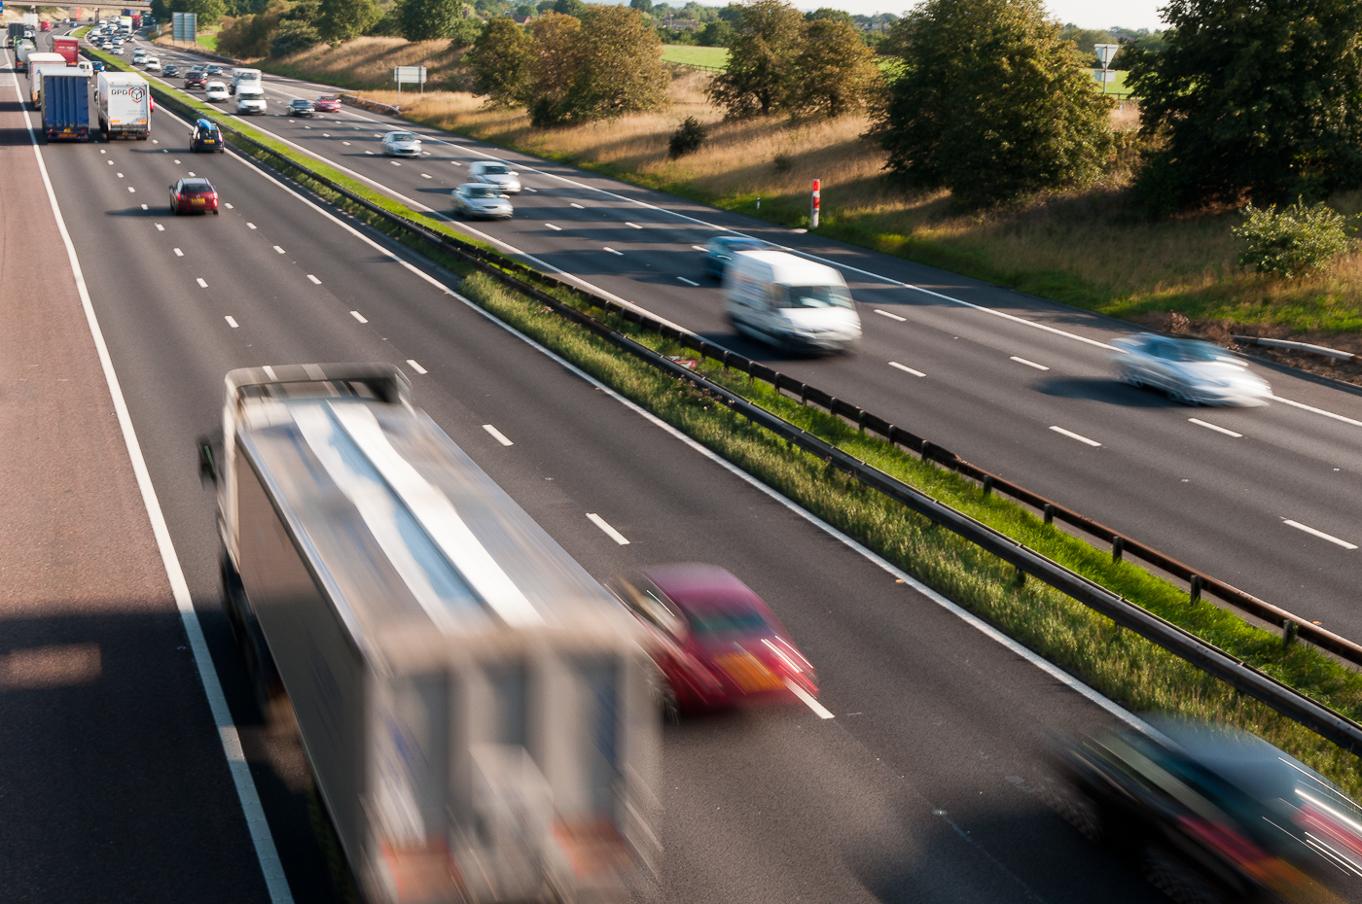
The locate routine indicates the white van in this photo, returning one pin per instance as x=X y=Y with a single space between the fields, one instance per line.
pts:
x=250 y=99
x=790 y=302
x=245 y=78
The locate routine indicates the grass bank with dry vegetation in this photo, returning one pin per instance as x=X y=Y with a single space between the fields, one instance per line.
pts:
x=1092 y=249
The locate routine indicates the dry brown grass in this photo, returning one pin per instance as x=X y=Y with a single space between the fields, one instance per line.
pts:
x=1088 y=248
x=367 y=62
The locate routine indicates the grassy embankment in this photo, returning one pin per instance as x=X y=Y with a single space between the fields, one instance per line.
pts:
x=1114 y=661
x=1088 y=248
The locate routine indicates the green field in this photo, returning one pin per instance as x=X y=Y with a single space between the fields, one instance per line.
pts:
x=689 y=55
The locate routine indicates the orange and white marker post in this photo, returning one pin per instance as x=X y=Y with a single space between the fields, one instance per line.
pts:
x=815 y=203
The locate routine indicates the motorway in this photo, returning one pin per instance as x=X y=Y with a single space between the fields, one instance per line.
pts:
x=1263 y=498
x=924 y=778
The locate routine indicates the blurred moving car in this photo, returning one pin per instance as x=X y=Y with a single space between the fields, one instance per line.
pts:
x=327 y=103
x=719 y=252
x=300 y=107
x=401 y=144
x=494 y=173
x=97 y=66
x=1217 y=814
x=1189 y=371
x=195 y=195
x=170 y=70
x=213 y=71
x=479 y=200
x=206 y=137
x=195 y=78
x=216 y=91
x=153 y=64
x=715 y=641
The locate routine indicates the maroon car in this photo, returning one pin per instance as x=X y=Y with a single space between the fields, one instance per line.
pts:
x=193 y=196
x=327 y=103
x=715 y=641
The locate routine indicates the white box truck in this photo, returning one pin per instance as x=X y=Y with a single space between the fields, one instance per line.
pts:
x=479 y=715
x=242 y=77
x=124 y=103
x=38 y=63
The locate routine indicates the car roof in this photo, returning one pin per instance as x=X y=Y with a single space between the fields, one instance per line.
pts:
x=196 y=182
x=789 y=269
x=205 y=124
x=736 y=240
x=480 y=186
x=704 y=588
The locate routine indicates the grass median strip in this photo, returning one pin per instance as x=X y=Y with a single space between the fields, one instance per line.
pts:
x=1118 y=663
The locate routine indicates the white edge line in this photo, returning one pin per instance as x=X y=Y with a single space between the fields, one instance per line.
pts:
x=1319 y=533
x=809 y=700
x=1078 y=436
x=497 y=435
x=969 y=618
x=1216 y=427
x=257 y=826
x=1312 y=409
x=607 y=529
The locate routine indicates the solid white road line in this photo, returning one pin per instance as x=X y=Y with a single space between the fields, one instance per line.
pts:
x=613 y=251
x=1217 y=428
x=906 y=369
x=1078 y=436
x=178 y=252
x=231 y=321
x=497 y=435
x=278 y=249
x=276 y=883
x=416 y=367
x=609 y=531
x=689 y=282
x=1313 y=410
x=554 y=228
x=1027 y=363
x=202 y=284
x=891 y=316
x=358 y=316
x=1319 y=533
x=314 y=280
x=819 y=709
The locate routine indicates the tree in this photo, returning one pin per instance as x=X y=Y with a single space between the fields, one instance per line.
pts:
x=1038 y=123
x=827 y=12
x=209 y=11
x=715 y=34
x=341 y=20
x=293 y=35
x=1087 y=38
x=619 y=65
x=643 y=6
x=759 y=79
x=837 y=71
x=500 y=62
x=465 y=30
x=1257 y=99
x=425 y=20
x=573 y=8
x=553 y=67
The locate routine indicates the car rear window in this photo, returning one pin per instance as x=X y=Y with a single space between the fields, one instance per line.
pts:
x=482 y=191
x=816 y=297
x=197 y=188
x=726 y=624
x=494 y=169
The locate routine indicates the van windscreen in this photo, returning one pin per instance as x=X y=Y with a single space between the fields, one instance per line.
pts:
x=816 y=297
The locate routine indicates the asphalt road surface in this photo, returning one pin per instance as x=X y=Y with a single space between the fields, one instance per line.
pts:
x=925 y=777
x=1263 y=498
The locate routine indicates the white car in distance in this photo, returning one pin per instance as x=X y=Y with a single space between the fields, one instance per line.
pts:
x=153 y=64
x=215 y=91
x=402 y=144
x=478 y=199
x=494 y=172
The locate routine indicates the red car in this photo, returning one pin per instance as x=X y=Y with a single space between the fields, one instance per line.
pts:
x=193 y=196
x=716 y=642
x=327 y=103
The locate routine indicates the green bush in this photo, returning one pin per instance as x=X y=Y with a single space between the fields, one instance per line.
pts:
x=293 y=36
x=1294 y=241
x=687 y=138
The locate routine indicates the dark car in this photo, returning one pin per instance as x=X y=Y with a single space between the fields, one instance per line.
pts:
x=714 y=640
x=195 y=195
x=300 y=107
x=207 y=137
x=327 y=103
x=1216 y=814
x=721 y=249
x=194 y=79
x=97 y=66
x=213 y=71
x=170 y=70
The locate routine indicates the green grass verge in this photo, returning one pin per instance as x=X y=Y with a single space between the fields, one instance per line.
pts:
x=1116 y=662
x=691 y=55
x=932 y=555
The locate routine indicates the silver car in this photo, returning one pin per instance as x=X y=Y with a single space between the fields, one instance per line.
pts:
x=494 y=173
x=1190 y=371
x=401 y=144
x=481 y=200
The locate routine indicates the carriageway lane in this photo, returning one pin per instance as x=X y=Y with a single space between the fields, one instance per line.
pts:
x=1176 y=477
x=933 y=774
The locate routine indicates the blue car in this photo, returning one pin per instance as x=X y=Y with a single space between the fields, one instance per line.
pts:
x=97 y=65
x=720 y=251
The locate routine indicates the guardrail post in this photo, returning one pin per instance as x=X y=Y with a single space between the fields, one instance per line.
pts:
x=926 y=450
x=1048 y=513
x=1289 y=631
x=1118 y=546
x=860 y=421
x=1195 y=595
x=988 y=485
